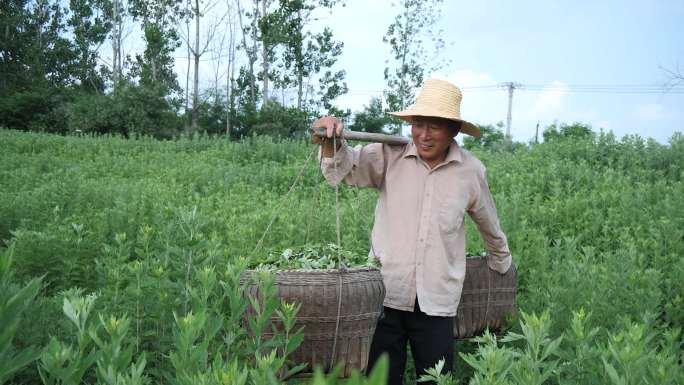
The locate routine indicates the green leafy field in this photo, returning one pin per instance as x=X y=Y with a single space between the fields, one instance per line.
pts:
x=159 y=230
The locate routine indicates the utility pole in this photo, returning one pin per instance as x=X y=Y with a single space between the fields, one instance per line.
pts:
x=510 y=86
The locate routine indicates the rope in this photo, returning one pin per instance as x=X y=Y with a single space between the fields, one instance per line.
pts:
x=489 y=294
x=340 y=269
x=337 y=206
x=337 y=202
x=340 y=266
x=277 y=212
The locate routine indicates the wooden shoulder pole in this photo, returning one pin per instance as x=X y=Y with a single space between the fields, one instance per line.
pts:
x=367 y=137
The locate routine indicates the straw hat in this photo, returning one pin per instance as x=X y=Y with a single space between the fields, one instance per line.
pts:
x=439 y=99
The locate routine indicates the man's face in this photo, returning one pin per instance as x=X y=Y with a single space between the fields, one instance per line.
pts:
x=432 y=138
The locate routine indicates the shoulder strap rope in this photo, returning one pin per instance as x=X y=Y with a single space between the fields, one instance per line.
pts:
x=280 y=206
x=340 y=266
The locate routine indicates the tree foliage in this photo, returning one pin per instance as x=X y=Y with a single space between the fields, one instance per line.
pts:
x=411 y=55
x=35 y=50
x=89 y=25
x=564 y=131
x=306 y=54
x=130 y=110
x=372 y=118
x=491 y=136
x=55 y=77
x=154 y=66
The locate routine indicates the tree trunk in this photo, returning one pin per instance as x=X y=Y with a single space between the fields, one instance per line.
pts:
x=308 y=86
x=216 y=65
x=264 y=55
x=195 y=96
x=300 y=65
x=187 y=74
x=154 y=70
x=250 y=57
x=252 y=77
x=229 y=82
x=39 y=25
x=230 y=73
x=300 y=88
x=39 y=33
x=115 y=43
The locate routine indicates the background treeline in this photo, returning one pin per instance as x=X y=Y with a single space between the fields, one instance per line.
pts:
x=108 y=66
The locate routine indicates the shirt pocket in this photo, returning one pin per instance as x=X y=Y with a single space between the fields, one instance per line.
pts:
x=450 y=216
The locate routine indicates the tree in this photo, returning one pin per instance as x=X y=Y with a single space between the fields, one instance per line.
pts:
x=306 y=54
x=155 y=66
x=33 y=49
x=325 y=52
x=89 y=28
x=491 y=136
x=575 y=130
x=198 y=48
x=276 y=120
x=372 y=119
x=13 y=16
x=117 y=10
x=37 y=64
x=230 y=70
x=269 y=31
x=292 y=15
x=129 y=110
x=247 y=79
x=409 y=56
x=226 y=42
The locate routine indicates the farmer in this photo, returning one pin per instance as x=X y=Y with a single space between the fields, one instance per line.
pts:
x=425 y=188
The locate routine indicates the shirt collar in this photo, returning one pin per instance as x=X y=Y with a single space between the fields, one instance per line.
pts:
x=454 y=153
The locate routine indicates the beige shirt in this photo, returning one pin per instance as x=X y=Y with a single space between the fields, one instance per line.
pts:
x=419 y=230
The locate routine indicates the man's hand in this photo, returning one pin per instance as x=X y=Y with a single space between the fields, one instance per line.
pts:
x=332 y=126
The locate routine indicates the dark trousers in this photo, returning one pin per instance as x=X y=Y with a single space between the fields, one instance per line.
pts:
x=431 y=339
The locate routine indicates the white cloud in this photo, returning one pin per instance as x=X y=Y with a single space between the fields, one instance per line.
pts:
x=356 y=100
x=550 y=99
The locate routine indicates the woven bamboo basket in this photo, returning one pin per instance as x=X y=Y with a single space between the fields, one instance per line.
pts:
x=487 y=298
x=317 y=291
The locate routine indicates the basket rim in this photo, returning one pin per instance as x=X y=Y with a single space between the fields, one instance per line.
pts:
x=361 y=269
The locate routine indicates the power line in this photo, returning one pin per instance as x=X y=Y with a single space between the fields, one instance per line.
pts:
x=570 y=88
x=585 y=88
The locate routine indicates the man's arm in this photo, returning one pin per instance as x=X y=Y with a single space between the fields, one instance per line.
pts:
x=483 y=213
x=360 y=166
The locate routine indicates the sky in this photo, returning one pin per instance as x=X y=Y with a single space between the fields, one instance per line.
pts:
x=559 y=44
x=550 y=46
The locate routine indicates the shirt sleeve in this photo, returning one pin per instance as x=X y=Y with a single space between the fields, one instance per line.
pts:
x=483 y=213
x=361 y=166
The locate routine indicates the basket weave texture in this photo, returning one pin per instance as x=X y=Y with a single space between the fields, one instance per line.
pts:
x=487 y=298
x=317 y=291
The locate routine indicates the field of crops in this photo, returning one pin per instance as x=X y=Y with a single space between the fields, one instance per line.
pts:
x=140 y=243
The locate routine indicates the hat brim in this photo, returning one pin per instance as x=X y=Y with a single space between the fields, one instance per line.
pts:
x=466 y=126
